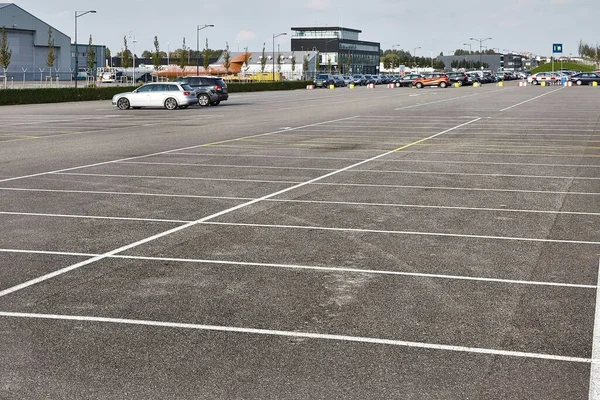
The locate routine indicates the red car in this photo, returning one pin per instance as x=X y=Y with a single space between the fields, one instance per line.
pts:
x=435 y=79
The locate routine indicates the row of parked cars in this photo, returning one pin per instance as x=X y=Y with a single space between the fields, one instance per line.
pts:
x=577 y=77
x=442 y=79
x=187 y=91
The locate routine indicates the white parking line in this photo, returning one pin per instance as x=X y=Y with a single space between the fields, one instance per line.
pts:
x=315 y=268
x=296 y=334
x=319 y=202
x=77 y=216
x=527 y=101
x=408 y=233
x=183 y=178
x=216 y=215
x=374 y=171
x=594 y=392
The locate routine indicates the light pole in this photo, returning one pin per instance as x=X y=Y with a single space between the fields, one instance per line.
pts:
x=395 y=45
x=481 y=40
x=415 y=55
x=275 y=36
x=198 y=29
x=168 y=53
x=77 y=15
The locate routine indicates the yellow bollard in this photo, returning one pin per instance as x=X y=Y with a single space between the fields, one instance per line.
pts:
x=351 y=86
x=594 y=84
x=331 y=86
x=475 y=84
x=543 y=84
x=501 y=84
x=456 y=84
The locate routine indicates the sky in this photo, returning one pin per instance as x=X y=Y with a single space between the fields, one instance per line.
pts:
x=433 y=25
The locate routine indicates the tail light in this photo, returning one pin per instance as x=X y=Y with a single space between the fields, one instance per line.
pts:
x=217 y=87
x=187 y=93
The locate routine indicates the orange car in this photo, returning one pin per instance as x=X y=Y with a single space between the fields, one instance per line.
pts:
x=435 y=79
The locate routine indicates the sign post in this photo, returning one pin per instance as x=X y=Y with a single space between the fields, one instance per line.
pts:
x=556 y=48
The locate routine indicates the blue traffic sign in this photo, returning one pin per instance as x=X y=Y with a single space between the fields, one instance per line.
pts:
x=557 y=48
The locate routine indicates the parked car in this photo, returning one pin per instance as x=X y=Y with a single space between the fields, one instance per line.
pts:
x=169 y=95
x=435 y=79
x=324 y=80
x=370 y=79
x=585 y=78
x=473 y=78
x=338 y=81
x=210 y=90
x=359 y=79
x=550 y=77
x=458 y=77
x=407 y=80
x=348 y=80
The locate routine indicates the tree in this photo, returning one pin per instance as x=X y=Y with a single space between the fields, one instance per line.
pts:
x=348 y=64
x=263 y=59
x=125 y=54
x=227 y=58
x=5 y=53
x=246 y=59
x=317 y=63
x=305 y=66
x=206 y=55
x=156 y=56
x=329 y=64
x=51 y=55
x=279 y=61
x=293 y=61
x=91 y=55
x=182 y=56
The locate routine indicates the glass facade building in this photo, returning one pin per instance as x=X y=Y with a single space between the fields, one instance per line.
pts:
x=339 y=48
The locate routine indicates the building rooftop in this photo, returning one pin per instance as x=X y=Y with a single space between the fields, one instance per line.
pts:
x=326 y=28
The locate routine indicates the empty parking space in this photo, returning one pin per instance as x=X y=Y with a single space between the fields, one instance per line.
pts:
x=435 y=243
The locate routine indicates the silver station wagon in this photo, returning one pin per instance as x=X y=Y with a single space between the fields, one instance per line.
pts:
x=169 y=95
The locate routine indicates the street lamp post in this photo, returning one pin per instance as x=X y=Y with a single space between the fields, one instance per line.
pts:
x=415 y=55
x=77 y=15
x=395 y=45
x=481 y=40
x=198 y=29
x=275 y=36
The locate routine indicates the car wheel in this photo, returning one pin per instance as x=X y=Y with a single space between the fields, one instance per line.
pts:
x=578 y=83
x=419 y=85
x=170 y=103
x=123 y=103
x=443 y=85
x=203 y=100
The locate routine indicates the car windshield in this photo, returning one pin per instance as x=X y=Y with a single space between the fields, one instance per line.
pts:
x=322 y=77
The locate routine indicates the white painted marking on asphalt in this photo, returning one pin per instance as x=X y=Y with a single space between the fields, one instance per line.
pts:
x=594 y=393
x=175 y=178
x=92 y=217
x=391 y=232
x=527 y=101
x=327 y=183
x=472 y=174
x=52 y=253
x=296 y=334
x=215 y=215
x=163 y=152
x=226 y=166
x=190 y=196
x=435 y=102
x=317 y=268
x=386 y=161
x=344 y=203
x=500 y=154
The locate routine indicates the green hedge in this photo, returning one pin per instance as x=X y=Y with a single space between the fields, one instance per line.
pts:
x=60 y=95
x=547 y=67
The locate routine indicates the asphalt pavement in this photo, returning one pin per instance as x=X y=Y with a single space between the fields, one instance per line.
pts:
x=313 y=244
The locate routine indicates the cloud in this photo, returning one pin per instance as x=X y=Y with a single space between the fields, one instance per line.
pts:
x=318 y=5
x=245 y=36
x=560 y=2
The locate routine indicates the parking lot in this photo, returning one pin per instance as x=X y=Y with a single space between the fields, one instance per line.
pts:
x=327 y=244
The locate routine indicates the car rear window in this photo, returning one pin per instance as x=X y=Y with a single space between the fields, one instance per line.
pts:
x=186 y=87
